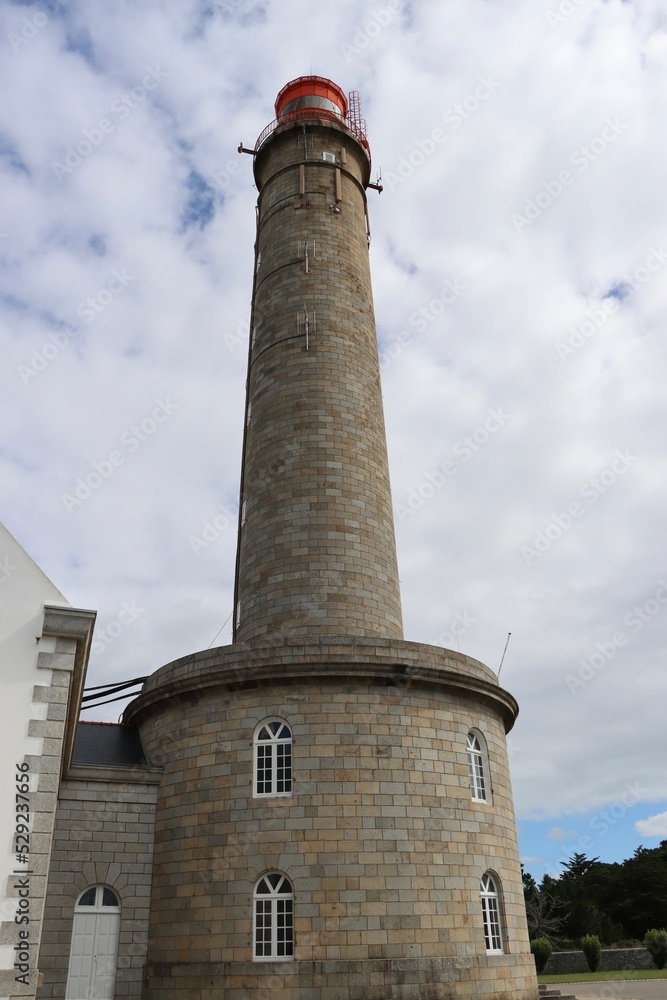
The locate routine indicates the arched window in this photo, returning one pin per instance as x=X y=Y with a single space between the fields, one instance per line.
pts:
x=491 y=914
x=273 y=918
x=273 y=759
x=477 y=767
x=94 y=950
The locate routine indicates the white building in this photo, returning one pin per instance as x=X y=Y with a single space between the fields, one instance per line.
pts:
x=44 y=648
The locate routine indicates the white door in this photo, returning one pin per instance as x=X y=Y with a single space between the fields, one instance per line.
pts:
x=94 y=951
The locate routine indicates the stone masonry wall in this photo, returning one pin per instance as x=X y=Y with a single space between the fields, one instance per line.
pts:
x=103 y=836
x=317 y=549
x=564 y=963
x=380 y=839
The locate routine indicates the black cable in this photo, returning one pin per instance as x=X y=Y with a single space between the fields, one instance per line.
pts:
x=97 y=704
x=119 y=684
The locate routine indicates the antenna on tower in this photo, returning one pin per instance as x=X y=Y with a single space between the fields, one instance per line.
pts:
x=378 y=182
x=502 y=658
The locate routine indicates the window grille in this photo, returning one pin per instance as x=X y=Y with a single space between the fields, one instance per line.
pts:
x=476 y=769
x=273 y=759
x=491 y=915
x=273 y=918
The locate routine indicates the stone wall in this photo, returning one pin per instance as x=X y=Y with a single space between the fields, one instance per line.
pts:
x=380 y=839
x=317 y=554
x=498 y=978
x=564 y=963
x=103 y=836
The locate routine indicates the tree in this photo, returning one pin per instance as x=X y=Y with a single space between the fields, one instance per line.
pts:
x=542 y=915
x=577 y=867
x=655 y=941
x=581 y=916
x=592 y=949
x=541 y=910
x=642 y=891
x=613 y=901
x=541 y=949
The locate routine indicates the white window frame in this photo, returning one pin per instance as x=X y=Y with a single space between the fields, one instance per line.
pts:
x=280 y=747
x=478 y=767
x=278 y=905
x=489 y=889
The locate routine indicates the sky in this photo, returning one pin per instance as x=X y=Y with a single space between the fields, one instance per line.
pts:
x=518 y=259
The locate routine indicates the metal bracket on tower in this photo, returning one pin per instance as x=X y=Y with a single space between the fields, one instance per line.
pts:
x=306 y=325
x=306 y=252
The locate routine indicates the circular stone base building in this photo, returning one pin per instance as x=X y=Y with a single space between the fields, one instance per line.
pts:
x=372 y=776
x=334 y=816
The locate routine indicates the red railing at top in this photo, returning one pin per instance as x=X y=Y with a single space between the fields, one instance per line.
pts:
x=357 y=128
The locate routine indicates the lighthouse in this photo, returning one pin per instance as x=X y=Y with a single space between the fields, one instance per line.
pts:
x=316 y=536
x=334 y=816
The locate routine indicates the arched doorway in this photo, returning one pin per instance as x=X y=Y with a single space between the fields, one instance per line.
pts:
x=94 y=950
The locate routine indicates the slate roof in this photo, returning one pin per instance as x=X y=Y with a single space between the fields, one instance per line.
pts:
x=107 y=744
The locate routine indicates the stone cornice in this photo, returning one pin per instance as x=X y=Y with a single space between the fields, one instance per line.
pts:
x=138 y=774
x=75 y=624
x=380 y=661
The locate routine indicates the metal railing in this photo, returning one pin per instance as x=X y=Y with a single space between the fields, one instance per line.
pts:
x=315 y=114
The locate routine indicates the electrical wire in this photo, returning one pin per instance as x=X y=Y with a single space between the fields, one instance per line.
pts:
x=220 y=629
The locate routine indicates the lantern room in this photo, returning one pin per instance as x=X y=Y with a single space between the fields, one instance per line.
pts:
x=311 y=96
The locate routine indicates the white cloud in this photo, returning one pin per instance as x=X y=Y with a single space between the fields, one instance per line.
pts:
x=559 y=833
x=654 y=826
x=131 y=204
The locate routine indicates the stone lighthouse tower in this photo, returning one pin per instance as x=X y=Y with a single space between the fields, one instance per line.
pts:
x=335 y=816
x=316 y=538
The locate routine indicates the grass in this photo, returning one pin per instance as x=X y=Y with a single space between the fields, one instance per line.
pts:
x=605 y=977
